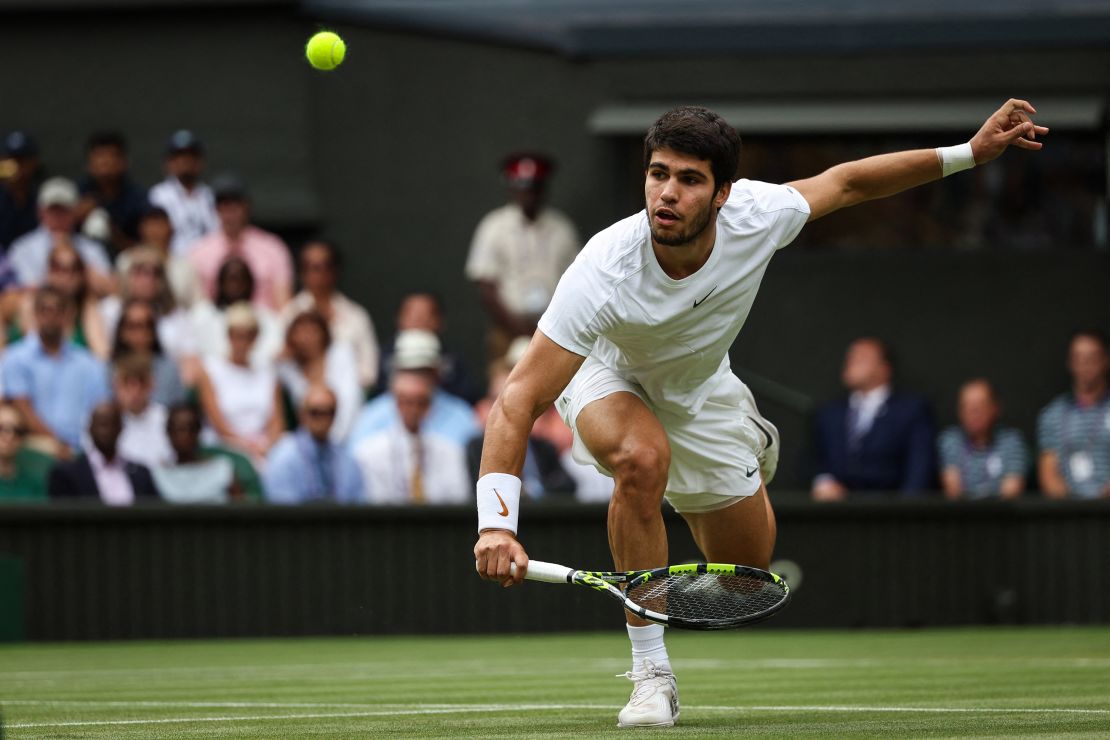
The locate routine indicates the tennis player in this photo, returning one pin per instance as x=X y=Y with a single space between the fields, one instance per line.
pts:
x=633 y=350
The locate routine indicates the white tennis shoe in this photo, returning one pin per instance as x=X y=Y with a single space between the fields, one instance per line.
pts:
x=654 y=700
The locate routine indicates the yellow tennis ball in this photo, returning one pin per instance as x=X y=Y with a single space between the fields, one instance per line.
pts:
x=325 y=50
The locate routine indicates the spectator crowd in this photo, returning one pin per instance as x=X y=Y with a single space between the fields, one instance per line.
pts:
x=158 y=345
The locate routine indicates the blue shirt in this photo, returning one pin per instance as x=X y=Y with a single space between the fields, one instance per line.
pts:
x=1079 y=436
x=982 y=469
x=62 y=388
x=300 y=469
x=449 y=416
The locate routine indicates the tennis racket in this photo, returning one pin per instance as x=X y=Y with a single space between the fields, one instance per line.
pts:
x=697 y=596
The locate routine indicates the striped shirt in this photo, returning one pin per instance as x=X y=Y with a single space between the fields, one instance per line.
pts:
x=1079 y=436
x=982 y=469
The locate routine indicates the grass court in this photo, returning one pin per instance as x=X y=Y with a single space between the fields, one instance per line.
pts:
x=983 y=682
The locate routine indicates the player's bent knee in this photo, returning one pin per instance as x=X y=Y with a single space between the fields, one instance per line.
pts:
x=642 y=466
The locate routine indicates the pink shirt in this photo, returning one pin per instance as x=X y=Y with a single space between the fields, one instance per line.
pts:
x=267 y=256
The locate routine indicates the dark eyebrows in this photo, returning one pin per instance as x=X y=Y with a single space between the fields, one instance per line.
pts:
x=687 y=172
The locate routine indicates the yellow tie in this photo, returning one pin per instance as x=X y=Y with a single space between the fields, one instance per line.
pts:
x=416 y=485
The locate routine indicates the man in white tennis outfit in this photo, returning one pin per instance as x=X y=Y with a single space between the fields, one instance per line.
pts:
x=633 y=349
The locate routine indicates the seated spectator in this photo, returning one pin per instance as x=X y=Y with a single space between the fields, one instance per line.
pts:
x=449 y=416
x=99 y=472
x=136 y=333
x=423 y=310
x=19 y=190
x=314 y=359
x=1073 y=432
x=156 y=232
x=53 y=382
x=144 y=439
x=199 y=474
x=242 y=401
x=183 y=195
x=349 y=323
x=305 y=465
x=145 y=280
x=407 y=463
x=876 y=439
x=23 y=470
x=543 y=473
x=267 y=255
x=111 y=203
x=66 y=271
x=30 y=253
x=234 y=284
x=979 y=459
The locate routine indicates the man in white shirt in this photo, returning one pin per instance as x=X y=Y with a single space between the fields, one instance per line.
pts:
x=188 y=201
x=145 y=438
x=30 y=253
x=634 y=349
x=407 y=465
x=519 y=251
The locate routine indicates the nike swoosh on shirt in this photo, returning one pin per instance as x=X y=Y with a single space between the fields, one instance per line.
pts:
x=698 y=303
x=750 y=473
x=504 y=509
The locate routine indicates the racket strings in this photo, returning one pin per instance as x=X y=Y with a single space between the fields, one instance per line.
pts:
x=706 y=597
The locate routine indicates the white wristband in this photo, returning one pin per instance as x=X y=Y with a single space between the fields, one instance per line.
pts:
x=955 y=158
x=498 y=501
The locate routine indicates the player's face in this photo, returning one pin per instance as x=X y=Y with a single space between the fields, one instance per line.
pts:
x=681 y=198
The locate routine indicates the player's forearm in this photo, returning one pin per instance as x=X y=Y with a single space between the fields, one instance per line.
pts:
x=886 y=174
x=506 y=438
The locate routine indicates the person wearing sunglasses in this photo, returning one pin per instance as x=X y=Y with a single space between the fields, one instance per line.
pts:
x=305 y=465
x=23 y=470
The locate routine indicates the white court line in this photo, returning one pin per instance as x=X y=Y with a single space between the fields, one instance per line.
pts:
x=373 y=668
x=493 y=708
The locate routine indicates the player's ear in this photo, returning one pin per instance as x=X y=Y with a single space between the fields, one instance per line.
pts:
x=722 y=194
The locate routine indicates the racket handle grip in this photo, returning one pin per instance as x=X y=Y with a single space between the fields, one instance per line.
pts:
x=546 y=572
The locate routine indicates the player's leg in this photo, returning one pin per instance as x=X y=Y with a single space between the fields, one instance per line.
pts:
x=628 y=440
x=742 y=533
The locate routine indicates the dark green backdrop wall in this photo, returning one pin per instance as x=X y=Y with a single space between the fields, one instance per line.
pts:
x=395 y=155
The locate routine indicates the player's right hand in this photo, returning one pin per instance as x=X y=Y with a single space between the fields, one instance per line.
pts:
x=495 y=551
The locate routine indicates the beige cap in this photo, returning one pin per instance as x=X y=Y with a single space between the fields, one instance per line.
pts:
x=416 y=349
x=58 y=191
x=241 y=315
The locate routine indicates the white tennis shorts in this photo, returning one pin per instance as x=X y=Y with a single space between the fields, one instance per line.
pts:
x=718 y=456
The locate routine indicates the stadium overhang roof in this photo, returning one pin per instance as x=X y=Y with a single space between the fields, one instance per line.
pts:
x=607 y=28
x=884 y=116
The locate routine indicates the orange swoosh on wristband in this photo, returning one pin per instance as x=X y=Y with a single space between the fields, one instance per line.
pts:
x=504 y=509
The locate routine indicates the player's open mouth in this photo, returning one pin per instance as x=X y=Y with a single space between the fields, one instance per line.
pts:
x=666 y=216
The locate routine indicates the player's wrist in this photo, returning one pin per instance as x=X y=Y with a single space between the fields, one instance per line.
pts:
x=498 y=496
x=955 y=159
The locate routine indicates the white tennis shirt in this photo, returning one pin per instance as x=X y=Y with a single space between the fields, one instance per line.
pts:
x=670 y=336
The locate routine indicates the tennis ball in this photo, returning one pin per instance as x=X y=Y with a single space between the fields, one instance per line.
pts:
x=325 y=50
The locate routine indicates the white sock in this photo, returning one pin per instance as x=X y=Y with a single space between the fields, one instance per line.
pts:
x=647 y=642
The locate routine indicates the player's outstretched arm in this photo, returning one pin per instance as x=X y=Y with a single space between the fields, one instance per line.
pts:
x=851 y=183
x=534 y=384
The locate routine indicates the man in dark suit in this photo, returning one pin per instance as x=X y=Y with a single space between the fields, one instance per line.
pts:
x=876 y=439
x=100 y=472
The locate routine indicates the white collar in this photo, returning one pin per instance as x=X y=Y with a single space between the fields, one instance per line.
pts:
x=871 y=399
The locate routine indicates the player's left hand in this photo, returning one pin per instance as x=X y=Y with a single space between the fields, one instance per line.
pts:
x=1009 y=125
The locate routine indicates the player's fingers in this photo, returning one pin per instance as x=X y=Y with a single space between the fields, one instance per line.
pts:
x=503 y=561
x=1017 y=132
x=1014 y=104
x=520 y=560
x=1027 y=144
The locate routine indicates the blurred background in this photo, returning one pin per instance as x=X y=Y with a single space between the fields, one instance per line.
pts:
x=395 y=158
